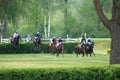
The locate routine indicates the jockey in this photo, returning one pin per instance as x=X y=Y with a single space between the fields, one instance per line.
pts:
x=37 y=35
x=53 y=41
x=28 y=38
x=15 y=35
x=89 y=41
x=83 y=40
x=60 y=40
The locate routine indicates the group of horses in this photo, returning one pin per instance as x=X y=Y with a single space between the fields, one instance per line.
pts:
x=83 y=49
x=55 y=47
x=16 y=40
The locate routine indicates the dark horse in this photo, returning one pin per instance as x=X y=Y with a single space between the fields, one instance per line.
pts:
x=56 y=48
x=84 y=49
x=16 y=40
x=89 y=49
x=60 y=49
x=80 y=49
x=37 y=44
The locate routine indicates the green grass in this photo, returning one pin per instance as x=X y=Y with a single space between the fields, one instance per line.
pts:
x=102 y=44
x=8 y=61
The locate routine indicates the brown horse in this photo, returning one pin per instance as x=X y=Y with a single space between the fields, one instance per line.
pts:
x=52 y=48
x=80 y=49
x=55 y=48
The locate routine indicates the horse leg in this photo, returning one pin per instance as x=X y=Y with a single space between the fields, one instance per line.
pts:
x=57 y=54
x=83 y=53
x=62 y=54
x=76 y=54
x=87 y=54
x=90 y=54
x=53 y=52
x=93 y=53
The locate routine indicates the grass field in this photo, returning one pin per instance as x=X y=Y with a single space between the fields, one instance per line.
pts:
x=51 y=61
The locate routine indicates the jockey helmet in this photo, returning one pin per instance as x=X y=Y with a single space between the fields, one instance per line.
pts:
x=37 y=32
x=89 y=38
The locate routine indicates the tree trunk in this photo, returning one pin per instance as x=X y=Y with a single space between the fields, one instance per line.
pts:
x=115 y=33
x=49 y=26
x=65 y=12
x=115 y=45
x=45 y=31
x=5 y=30
x=114 y=26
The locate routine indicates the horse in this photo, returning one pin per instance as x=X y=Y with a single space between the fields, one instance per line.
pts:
x=56 y=48
x=80 y=49
x=89 y=49
x=37 y=44
x=60 y=49
x=16 y=40
x=52 y=48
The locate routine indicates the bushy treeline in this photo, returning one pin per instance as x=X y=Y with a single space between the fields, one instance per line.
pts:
x=6 y=48
x=71 y=17
x=93 y=73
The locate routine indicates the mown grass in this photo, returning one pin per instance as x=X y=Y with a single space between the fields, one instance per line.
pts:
x=8 y=61
x=102 y=44
x=51 y=61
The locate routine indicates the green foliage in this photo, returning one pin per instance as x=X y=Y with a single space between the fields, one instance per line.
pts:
x=105 y=73
x=21 y=48
x=29 y=48
x=69 y=47
x=27 y=17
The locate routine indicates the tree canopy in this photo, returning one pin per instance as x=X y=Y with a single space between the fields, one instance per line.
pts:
x=71 y=17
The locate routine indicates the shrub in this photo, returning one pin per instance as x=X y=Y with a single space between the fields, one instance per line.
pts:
x=110 y=73
x=6 y=48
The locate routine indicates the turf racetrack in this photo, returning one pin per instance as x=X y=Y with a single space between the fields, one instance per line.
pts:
x=8 y=61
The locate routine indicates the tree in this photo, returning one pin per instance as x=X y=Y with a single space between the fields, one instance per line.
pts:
x=10 y=10
x=113 y=25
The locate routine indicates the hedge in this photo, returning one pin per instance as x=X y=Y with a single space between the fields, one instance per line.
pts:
x=107 y=73
x=7 y=48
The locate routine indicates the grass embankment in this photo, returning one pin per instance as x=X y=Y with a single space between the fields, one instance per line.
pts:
x=102 y=45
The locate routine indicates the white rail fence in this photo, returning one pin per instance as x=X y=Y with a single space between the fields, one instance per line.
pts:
x=6 y=40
